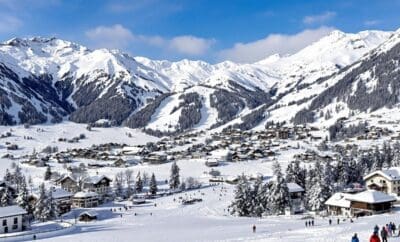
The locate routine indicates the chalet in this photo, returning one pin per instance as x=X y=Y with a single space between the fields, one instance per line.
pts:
x=88 y=216
x=368 y=202
x=62 y=199
x=12 y=219
x=98 y=184
x=85 y=199
x=156 y=158
x=296 y=196
x=69 y=184
x=338 y=204
x=387 y=181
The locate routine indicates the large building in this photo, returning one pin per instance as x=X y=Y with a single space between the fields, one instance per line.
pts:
x=368 y=202
x=387 y=181
x=12 y=219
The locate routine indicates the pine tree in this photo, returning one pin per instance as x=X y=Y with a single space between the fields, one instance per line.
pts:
x=241 y=203
x=22 y=198
x=42 y=211
x=47 y=174
x=138 y=183
x=174 y=180
x=260 y=198
x=278 y=192
x=320 y=188
x=118 y=183
x=6 y=198
x=295 y=174
x=52 y=206
x=8 y=177
x=153 y=185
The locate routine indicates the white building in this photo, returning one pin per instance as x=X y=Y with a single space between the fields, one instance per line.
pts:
x=12 y=219
x=338 y=204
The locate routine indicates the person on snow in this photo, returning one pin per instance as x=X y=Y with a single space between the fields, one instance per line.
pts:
x=374 y=237
x=330 y=221
x=355 y=238
x=376 y=229
x=254 y=228
x=384 y=234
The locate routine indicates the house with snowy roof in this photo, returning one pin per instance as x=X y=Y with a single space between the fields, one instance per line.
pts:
x=368 y=202
x=85 y=199
x=296 y=197
x=387 y=181
x=12 y=219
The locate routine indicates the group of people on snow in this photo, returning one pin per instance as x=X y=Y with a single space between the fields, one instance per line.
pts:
x=388 y=230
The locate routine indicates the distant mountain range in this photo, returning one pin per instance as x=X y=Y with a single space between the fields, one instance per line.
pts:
x=48 y=80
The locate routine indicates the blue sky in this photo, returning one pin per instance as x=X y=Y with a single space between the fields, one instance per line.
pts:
x=211 y=30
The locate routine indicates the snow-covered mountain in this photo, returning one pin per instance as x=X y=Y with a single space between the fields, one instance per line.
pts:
x=48 y=80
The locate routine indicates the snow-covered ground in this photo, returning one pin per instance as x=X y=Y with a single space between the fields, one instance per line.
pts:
x=210 y=221
x=169 y=220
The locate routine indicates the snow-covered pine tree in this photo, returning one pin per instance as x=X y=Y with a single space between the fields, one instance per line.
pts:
x=174 y=180
x=52 y=206
x=8 y=176
x=295 y=173
x=138 y=183
x=22 y=198
x=6 y=198
x=242 y=200
x=42 y=211
x=118 y=183
x=47 y=174
x=153 y=185
x=260 y=199
x=279 y=192
x=319 y=190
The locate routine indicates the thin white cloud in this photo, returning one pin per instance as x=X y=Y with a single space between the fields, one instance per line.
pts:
x=272 y=44
x=373 y=22
x=116 y=36
x=320 y=18
x=119 y=37
x=9 y=23
x=190 y=45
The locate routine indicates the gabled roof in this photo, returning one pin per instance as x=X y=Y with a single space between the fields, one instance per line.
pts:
x=294 y=187
x=90 y=213
x=392 y=174
x=96 y=179
x=371 y=197
x=11 y=211
x=339 y=199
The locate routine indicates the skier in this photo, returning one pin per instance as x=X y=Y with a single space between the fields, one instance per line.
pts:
x=330 y=221
x=338 y=221
x=384 y=234
x=312 y=222
x=374 y=237
x=355 y=238
x=254 y=228
x=306 y=224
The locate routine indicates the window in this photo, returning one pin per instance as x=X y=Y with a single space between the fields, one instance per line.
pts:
x=4 y=222
x=15 y=220
x=15 y=226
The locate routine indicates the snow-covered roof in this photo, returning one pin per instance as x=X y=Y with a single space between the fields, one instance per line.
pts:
x=294 y=187
x=371 y=196
x=96 y=179
x=11 y=211
x=85 y=194
x=60 y=193
x=90 y=213
x=339 y=200
x=392 y=174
